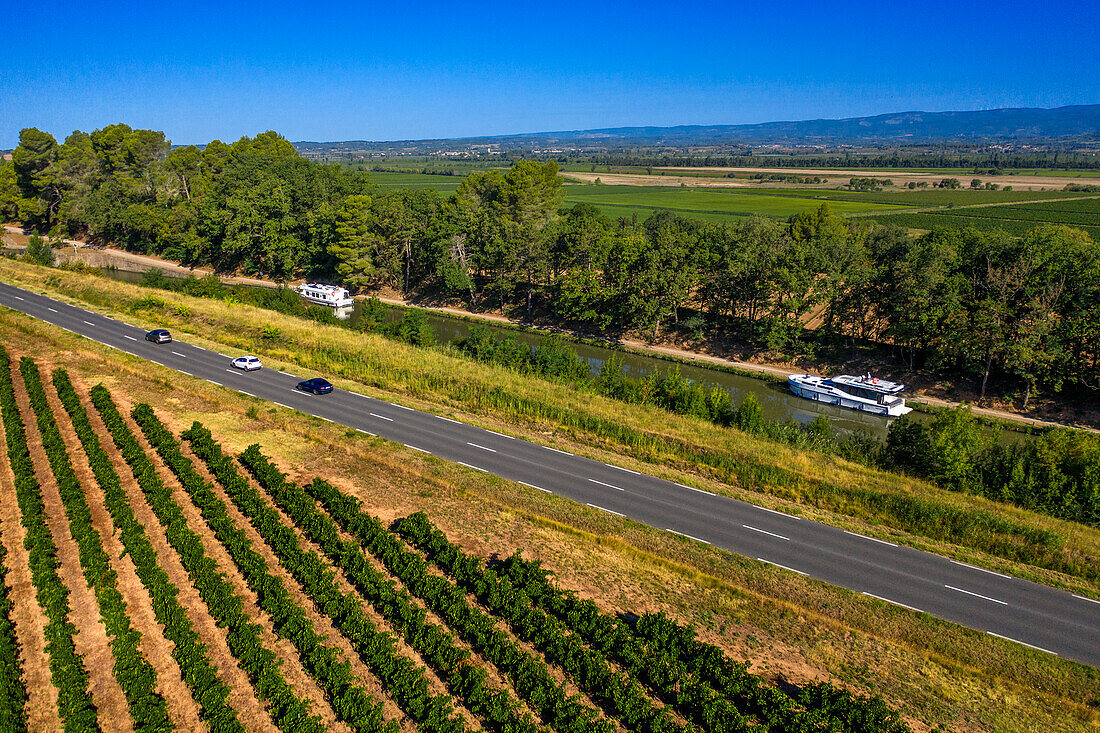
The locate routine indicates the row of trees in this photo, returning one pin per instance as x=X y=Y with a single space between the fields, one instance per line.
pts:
x=982 y=303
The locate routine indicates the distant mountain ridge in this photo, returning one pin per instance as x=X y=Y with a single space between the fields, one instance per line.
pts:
x=1017 y=124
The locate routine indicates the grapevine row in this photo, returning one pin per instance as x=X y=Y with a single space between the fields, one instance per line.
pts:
x=617 y=691
x=654 y=666
x=135 y=675
x=67 y=669
x=528 y=673
x=655 y=646
x=819 y=706
x=188 y=651
x=495 y=706
x=350 y=702
x=406 y=682
x=288 y=711
x=13 y=689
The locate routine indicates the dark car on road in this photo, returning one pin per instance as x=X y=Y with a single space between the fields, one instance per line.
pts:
x=159 y=336
x=315 y=385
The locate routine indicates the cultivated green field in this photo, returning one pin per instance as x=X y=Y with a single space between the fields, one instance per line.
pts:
x=1013 y=211
x=1080 y=213
x=715 y=204
x=443 y=184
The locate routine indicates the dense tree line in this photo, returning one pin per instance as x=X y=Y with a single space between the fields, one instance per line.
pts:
x=1023 y=310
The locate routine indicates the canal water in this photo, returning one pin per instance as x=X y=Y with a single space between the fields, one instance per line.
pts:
x=777 y=402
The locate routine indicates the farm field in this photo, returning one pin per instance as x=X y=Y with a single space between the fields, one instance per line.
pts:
x=786 y=627
x=727 y=204
x=1080 y=213
x=711 y=204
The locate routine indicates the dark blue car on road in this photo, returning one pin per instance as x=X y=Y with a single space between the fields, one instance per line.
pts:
x=315 y=385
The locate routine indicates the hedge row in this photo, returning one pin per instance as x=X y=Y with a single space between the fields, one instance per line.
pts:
x=188 y=651
x=134 y=674
x=528 y=673
x=405 y=681
x=350 y=702
x=287 y=710
x=67 y=670
x=495 y=706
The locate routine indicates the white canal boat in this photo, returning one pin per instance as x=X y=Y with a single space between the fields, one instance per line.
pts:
x=330 y=295
x=866 y=393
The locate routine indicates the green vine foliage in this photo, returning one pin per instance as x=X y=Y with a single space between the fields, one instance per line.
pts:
x=13 y=687
x=288 y=711
x=405 y=681
x=496 y=708
x=67 y=671
x=207 y=689
x=350 y=702
x=133 y=672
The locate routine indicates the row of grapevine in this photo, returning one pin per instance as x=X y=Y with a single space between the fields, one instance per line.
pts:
x=657 y=663
x=616 y=691
x=199 y=673
x=820 y=706
x=287 y=710
x=497 y=709
x=661 y=672
x=406 y=682
x=351 y=703
x=529 y=674
x=67 y=669
x=670 y=658
x=13 y=689
x=135 y=675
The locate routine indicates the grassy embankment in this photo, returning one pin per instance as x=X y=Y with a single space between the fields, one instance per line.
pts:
x=790 y=627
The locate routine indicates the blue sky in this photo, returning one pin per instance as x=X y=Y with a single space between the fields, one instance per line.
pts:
x=384 y=71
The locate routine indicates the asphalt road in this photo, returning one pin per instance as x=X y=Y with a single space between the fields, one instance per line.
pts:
x=1035 y=615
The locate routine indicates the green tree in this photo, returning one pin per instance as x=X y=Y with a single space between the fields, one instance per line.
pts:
x=352 y=247
x=35 y=160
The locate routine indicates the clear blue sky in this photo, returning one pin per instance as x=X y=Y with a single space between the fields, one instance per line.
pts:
x=397 y=70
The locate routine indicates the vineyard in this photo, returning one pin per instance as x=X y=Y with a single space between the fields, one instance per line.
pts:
x=1079 y=213
x=152 y=581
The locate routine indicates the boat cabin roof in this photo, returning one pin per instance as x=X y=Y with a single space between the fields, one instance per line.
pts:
x=317 y=286
x=868 y=382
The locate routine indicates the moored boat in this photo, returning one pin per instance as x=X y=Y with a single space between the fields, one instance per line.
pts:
x=863 y=393
x=330 y=295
